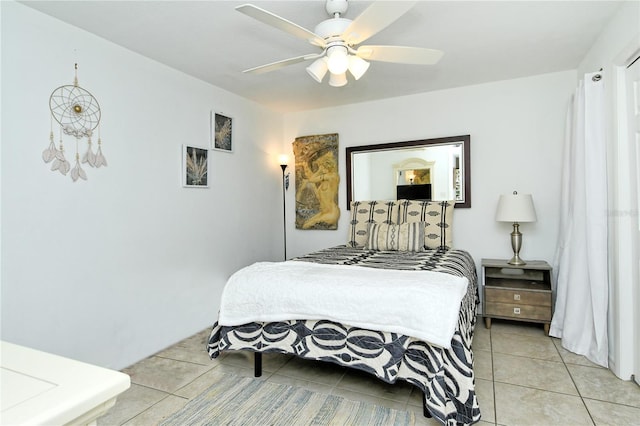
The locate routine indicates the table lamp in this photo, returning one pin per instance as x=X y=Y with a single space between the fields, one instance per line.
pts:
x=516 y=208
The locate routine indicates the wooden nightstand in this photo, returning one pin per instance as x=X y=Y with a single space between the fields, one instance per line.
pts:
x=521 y=293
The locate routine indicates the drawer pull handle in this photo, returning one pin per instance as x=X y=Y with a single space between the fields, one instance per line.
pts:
x=516 y=297
x=516 y=311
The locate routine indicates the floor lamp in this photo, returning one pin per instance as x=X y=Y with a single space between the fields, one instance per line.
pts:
x=285 y=185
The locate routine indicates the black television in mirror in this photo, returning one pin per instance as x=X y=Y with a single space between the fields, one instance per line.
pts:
x=414 y=192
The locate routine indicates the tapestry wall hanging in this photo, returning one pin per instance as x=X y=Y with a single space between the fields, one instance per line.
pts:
x=317 y=181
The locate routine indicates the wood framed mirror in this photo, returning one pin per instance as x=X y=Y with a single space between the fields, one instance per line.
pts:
x=441 y=166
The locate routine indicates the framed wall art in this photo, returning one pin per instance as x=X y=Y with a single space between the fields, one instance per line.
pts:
x=317 y=181
x=221 y=132
x=195 y=167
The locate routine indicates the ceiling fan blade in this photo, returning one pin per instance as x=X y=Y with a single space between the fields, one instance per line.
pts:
x=280 y=23
x=400 y=54
x=280 y=64
x=374 y=19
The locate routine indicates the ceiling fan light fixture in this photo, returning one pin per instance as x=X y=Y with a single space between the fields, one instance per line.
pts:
x=318 y=69
x=357 y=66
x=339 y=37
x=338 y=59
x=338 y=80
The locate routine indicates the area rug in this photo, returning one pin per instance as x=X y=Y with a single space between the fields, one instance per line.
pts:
x=235 y=400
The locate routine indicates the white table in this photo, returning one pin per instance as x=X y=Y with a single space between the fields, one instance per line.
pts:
x=38 y=388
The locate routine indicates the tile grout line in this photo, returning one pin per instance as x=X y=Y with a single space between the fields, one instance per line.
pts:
x=168 y=394
x=562 y=360
x=574 y=383
x=146 y=409
x=493 y=381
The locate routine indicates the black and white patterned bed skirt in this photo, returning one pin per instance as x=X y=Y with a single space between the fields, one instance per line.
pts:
x=445 y=376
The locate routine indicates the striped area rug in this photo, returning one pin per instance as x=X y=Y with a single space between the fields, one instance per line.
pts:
x=235 y=400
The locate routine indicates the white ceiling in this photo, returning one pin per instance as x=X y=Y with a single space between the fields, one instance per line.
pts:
x=483 y=41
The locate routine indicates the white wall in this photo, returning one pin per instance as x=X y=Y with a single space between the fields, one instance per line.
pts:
x=517 y=131
x=618 y=42
x=113 y=269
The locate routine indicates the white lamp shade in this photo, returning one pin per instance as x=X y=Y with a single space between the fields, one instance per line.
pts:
x=338 y=80
x=516 y=208
x=338 y=59
x=357 y=66
x=318 y=69
x=283 y=159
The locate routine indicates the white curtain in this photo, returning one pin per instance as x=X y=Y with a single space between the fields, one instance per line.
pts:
x=580 y=263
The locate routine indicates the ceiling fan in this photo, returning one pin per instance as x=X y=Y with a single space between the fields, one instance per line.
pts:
x=338 y=38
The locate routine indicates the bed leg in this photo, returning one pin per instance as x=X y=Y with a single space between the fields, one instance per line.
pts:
x=257 y=364
x=425 y=411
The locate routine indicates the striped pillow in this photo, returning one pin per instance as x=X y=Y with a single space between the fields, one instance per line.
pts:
x=435 y=216
x=403 y=237
x=365 y=213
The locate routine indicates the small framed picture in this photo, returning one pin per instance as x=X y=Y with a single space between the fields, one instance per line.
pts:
x=195 y=167
x=221 y=132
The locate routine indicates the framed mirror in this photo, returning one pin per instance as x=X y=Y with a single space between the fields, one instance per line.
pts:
x=427 y=169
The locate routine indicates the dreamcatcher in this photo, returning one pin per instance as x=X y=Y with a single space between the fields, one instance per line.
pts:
x=78 y=114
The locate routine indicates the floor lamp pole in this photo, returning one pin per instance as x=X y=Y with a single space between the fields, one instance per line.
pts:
x=284 y=209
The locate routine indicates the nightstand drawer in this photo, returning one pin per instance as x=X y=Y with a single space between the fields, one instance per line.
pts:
x=518 y=297
x=513 y=310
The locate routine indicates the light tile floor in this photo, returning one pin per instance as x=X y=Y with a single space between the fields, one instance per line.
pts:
x=522 y=378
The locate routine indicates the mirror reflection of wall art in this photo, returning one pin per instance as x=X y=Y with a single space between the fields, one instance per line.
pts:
x=317 y=181
x=221 y=132
x=421 y=176
x=195 y=167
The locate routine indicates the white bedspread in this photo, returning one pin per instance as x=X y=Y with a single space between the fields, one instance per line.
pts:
x=420 y=304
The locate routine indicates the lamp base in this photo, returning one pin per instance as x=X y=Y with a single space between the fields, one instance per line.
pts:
x=515 y=260
x=516 y=244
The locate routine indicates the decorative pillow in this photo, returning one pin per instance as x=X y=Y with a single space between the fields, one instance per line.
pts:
x=437 y=217
x=364 y=213
x=404 y=237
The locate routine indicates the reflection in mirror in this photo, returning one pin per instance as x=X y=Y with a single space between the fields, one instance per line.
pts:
x=430 y=169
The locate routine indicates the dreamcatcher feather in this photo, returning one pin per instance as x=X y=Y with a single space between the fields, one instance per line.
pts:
x=78 y=114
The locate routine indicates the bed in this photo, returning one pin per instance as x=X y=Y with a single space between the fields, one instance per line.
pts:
x=444 y=371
